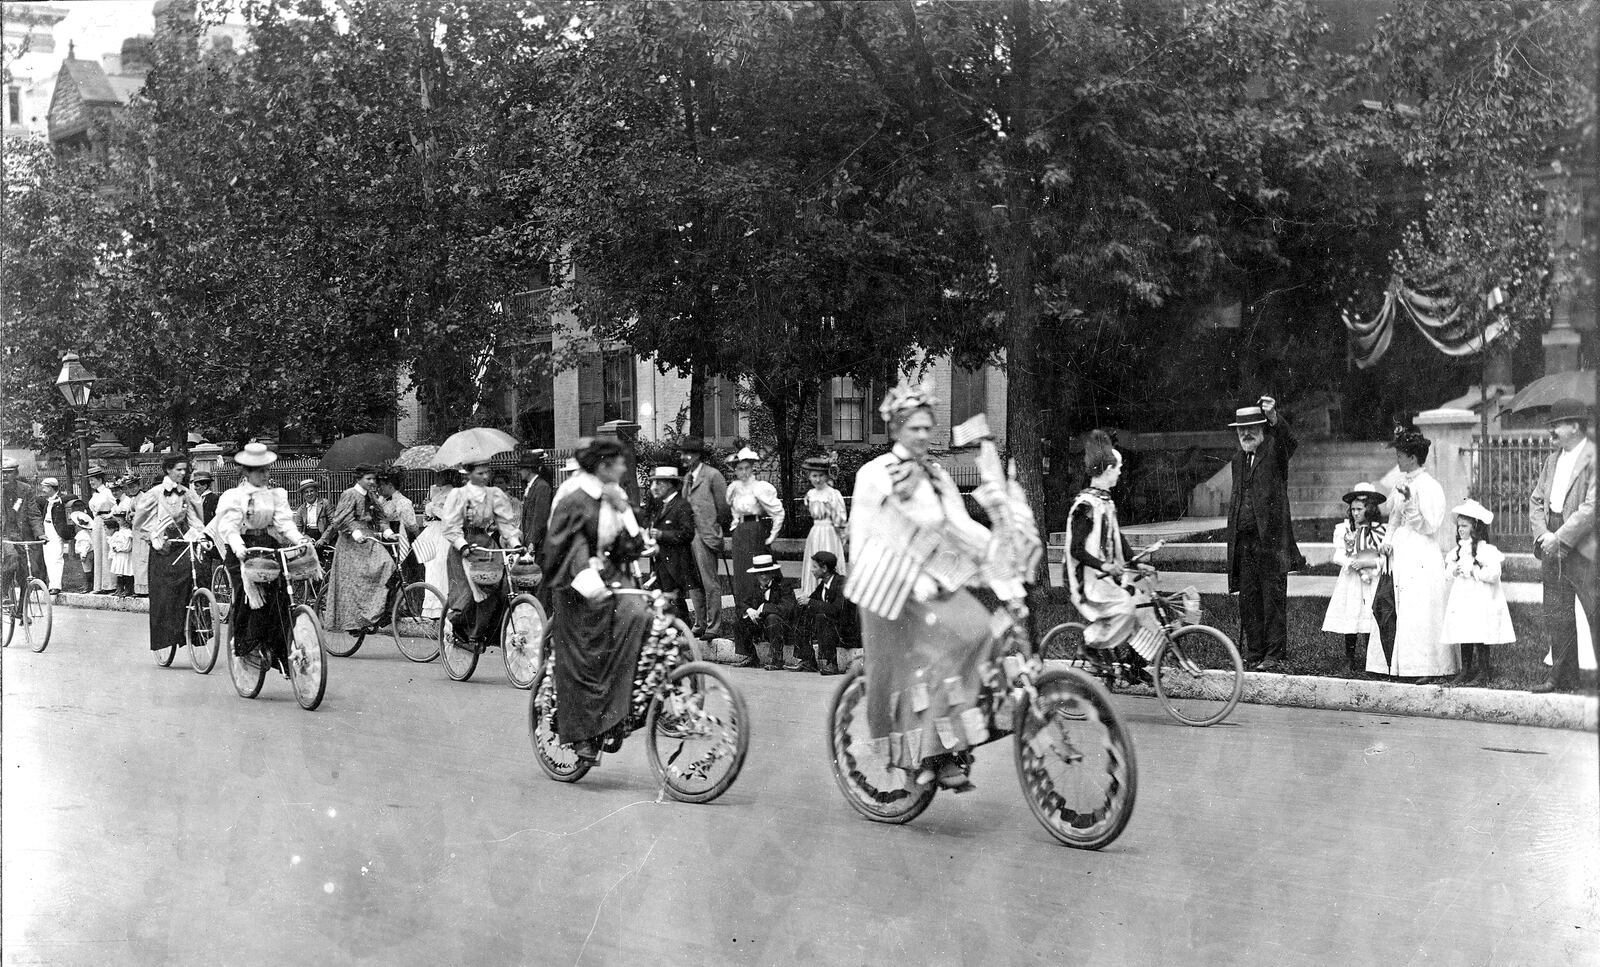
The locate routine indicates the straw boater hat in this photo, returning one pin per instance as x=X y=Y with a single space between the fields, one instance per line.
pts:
x=1471 y=508
x=571 y=465
x=203 y=476
x=309 y=483
x=762 y=564
x=1367 y=490
x=1568 y=411
x=667 y=475
x=818 y=465
x=255 y=455
x=1252 y=415
x=744 y=455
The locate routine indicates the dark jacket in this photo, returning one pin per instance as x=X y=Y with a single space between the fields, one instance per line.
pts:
x=778 y=600
x=21 y=518
x=53 y=510
x=674 y=564
x=536 y=513
x=208 y=504
x=1268 y=486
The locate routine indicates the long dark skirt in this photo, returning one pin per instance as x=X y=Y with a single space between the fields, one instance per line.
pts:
x=171 y=582
x=473 y=620
x=749 y=539
x=597 y=651
x=265 y=629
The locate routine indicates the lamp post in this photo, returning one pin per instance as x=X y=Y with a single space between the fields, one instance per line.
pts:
x=75 y=383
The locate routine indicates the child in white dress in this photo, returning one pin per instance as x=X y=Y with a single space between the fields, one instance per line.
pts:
x=1356 y=543
x=826 y=506
x=1476 y=616
x=119 y=541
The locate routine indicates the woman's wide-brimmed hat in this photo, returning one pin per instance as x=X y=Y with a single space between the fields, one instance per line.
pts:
x=1252 y=415
x=667 y=475
x=310 y=483
x=818 y=465
x=762 y=564
x=255 y=455
x=1471 y=508
x=95 y=471
x=1366 y=490
x=745 y=455
x=571 y=466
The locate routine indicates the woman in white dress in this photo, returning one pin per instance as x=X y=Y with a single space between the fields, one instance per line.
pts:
x=828 y=514
x=1409 y=609
x=437 y=570
x=757 y=519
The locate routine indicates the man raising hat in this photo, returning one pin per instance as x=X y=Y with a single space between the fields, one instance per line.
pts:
x=706 y=491
x=1261 y=546
x=1561 y=509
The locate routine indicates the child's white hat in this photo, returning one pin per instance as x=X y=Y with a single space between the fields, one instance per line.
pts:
x=1471 y=508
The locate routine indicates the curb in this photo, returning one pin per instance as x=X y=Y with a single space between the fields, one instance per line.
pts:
x=1571 y=712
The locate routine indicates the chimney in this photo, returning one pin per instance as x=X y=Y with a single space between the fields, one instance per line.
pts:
x=135 y=56
x=112 y=63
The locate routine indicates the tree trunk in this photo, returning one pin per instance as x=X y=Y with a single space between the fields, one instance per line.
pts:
x=783 y=435
x=697 y=399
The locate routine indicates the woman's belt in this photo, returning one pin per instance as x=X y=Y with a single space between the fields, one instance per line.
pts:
x=747 y=518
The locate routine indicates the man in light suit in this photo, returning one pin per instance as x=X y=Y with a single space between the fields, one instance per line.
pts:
x=707 y=492
x=1561 y=510
x=58 y=531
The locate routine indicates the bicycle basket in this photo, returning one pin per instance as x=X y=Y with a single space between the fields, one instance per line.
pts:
x=1186 y=605
x=526 y=575
x=485 y=572
x=260 y=569
x=305 y=566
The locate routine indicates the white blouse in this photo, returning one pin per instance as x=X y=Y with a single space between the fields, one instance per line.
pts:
x=480 y=508
x=246 y=507
x=755 y=499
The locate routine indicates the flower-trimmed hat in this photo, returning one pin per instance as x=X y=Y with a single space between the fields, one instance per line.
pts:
x=255 y=455
x=745 y=455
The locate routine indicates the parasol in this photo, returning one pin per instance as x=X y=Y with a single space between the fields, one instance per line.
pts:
x=369 y=449
x=472 y=446
x=416 y=458
x=1550 y=390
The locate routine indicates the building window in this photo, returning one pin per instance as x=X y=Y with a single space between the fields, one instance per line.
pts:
x=847 y=418
x=536 y=399
x=606 y=389
x=13 y=105
x=721 y=409
x=969 y=393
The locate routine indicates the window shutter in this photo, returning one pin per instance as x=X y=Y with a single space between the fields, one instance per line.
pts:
x=727 y=408
x=825 y=408
x=591 y=393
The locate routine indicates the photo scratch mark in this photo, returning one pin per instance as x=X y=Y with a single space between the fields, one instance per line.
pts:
x=605 y=896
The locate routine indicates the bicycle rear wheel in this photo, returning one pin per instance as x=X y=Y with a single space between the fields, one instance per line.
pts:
x=415 y=634
x=308 y=665
x=558 y=761
x=522 y=639
x=870 y=785
x=248 y=673
x=1075 y=760
x=200 y=629
x=697 y=733
x=460 y=656
x=38 y=613
x=1199 y=675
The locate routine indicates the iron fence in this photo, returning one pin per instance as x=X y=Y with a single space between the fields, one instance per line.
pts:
x=1505 y=468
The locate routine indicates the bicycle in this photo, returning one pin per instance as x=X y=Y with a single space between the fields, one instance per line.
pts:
x=1075 y=759
x=201 y=619
x=676 y=699
x=307 y=661
x=32 y=607
x=523 y=630
x=414 y=633
x=1197 y=669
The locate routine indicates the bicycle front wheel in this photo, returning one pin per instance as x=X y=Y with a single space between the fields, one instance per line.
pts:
x=38 y=614
x=415 y=634
x=200 y=630
x=1075 y=760
x=697 y=733
x=522 y=639
x=1199 y=675
x=222 y=592
x=308 y=664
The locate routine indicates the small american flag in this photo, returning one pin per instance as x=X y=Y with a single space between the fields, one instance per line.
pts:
x=971 y=431
x=881 y=579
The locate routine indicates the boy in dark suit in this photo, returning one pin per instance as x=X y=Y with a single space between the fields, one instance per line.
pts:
x=672 y=526
x=822 y=619
x=773 y=619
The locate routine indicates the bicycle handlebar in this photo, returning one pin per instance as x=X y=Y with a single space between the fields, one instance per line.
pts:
x=22 y=543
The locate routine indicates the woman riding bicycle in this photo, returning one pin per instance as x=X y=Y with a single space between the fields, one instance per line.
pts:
x=1097 y=564
x=168 y=514
x=477 y=515
x=593 y=537
x=915 y=551
x=254 y=514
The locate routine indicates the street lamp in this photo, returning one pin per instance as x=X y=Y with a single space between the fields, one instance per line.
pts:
x=75 y=383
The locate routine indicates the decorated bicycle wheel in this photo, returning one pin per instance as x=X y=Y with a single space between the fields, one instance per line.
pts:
x=1199 y=675
x=308 y=665
x=870 y=785
x=558 y=761
x=1075 y=760
x=38 y=615
x=522 y=639
x=201 y=630
x=698 y=757
x=414 y=633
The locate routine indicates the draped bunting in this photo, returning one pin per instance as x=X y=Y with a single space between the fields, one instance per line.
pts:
x=1435 y=316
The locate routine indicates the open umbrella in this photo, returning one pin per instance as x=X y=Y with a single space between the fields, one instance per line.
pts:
x=1550 y=390
x=472 y=446
x=417 y=457
x=369 y=449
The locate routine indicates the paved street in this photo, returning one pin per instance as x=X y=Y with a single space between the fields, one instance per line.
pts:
x=152 y=817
